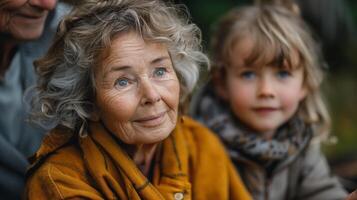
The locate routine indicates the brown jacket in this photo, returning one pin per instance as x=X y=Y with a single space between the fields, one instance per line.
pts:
x=190 y=164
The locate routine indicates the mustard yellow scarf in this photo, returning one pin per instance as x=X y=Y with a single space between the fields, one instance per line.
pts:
x=170 y=173
x=190 y=164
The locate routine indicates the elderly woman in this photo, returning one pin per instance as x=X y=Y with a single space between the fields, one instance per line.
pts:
x=112 y=85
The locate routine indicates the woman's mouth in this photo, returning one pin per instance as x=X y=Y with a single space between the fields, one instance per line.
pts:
x=151 y=120
x=30 y=16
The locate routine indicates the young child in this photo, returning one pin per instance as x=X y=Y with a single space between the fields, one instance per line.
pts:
x=264 y=103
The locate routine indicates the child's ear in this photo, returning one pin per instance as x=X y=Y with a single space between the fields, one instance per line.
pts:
x=303 y=92
x=219 y=82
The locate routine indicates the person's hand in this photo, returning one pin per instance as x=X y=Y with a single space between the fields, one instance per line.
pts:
x=10 y=4
x=352 y=196
x=7 y=8
x=4 y=16
x=3 y=3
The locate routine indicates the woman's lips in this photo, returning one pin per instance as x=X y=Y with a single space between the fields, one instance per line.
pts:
x=30 y=19
x=30 y=16
x=152 y=120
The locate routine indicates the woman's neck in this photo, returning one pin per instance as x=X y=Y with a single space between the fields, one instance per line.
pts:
x=143 y=155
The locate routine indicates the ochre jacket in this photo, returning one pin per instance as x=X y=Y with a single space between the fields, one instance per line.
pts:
x=190 y=164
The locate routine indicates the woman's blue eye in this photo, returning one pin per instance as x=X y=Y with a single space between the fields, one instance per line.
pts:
x=283 y=74
x=122 y=82
x=248 y=75
x=160 y=72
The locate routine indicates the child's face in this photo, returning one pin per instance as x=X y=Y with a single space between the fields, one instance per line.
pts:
x=265 y=97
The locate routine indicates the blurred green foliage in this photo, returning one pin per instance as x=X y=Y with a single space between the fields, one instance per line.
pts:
x=341 y=94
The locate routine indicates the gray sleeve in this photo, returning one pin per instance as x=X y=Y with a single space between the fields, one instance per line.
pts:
x=316 y=181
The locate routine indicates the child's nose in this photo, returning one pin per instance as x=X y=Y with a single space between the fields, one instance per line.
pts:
x=266 y=88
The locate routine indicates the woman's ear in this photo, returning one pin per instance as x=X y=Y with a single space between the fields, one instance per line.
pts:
x=219 y=82
x=94 y=116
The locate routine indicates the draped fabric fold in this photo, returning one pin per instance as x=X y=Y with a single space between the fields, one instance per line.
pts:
x=189 y=164
x=170 y=172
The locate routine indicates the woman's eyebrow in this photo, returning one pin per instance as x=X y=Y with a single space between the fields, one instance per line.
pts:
x=160 y=59
x=127 y=67
x=116 y=69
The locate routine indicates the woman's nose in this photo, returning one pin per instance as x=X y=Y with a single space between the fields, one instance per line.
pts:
x=150 y=94
x=43 y=4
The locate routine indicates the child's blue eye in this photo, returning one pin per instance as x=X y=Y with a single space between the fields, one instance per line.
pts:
x=283 y=74
x=248 y=75
x=160 y=72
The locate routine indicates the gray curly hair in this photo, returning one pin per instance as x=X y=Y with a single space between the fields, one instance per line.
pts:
x=66 y=87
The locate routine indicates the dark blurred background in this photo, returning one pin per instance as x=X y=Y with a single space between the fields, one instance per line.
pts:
x=334 y=24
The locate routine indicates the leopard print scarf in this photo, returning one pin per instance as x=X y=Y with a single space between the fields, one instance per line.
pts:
x=242 y=141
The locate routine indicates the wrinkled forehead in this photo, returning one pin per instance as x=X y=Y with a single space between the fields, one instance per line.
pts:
x=130 y=48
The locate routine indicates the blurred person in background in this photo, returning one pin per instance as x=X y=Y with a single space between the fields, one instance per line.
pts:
x=264 y=102
x=26 y=29
x=333 y=24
